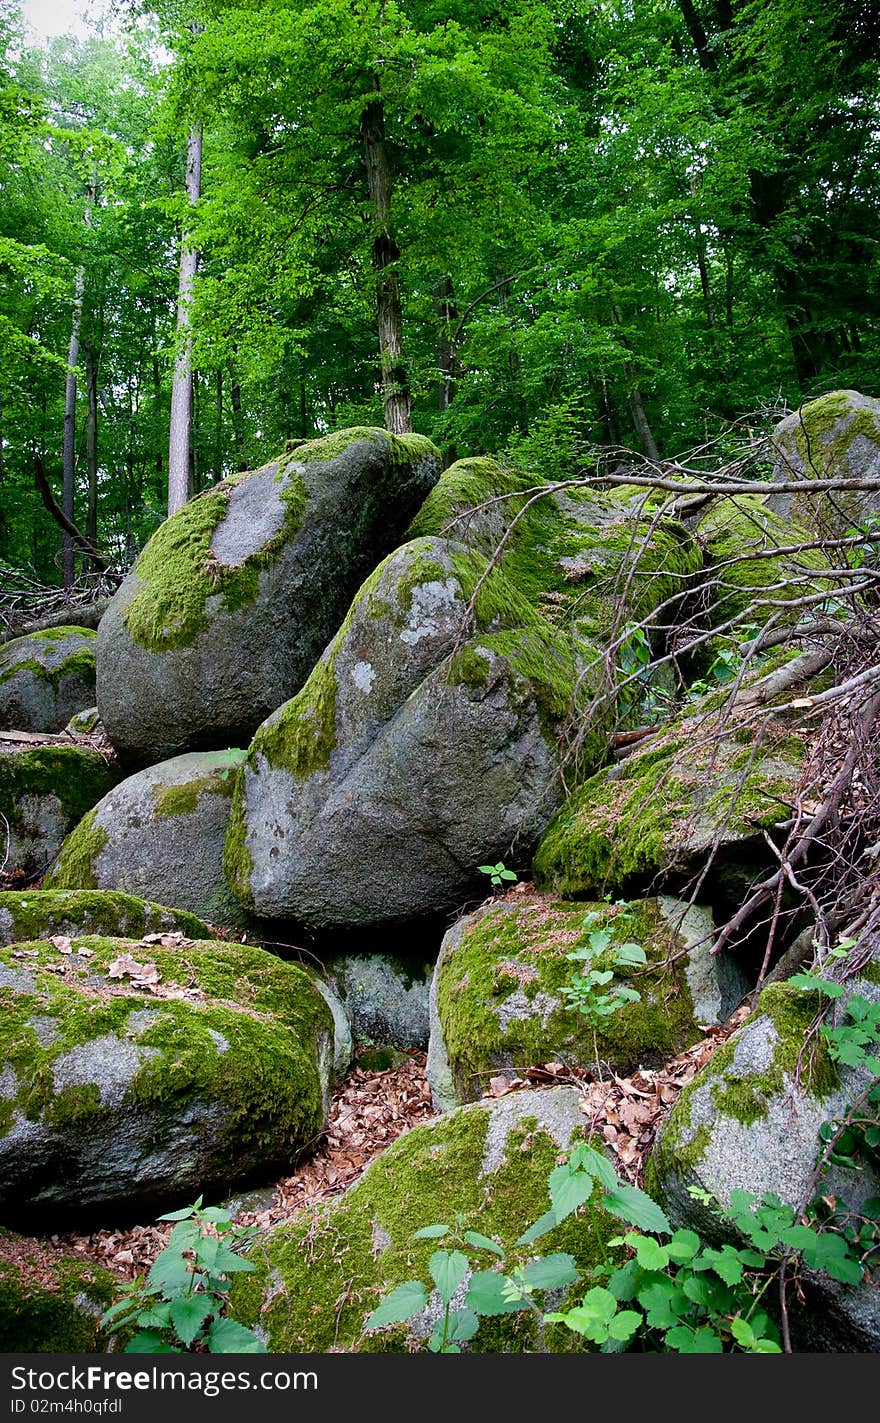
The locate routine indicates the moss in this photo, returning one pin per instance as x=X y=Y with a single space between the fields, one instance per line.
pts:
x=403 y=448
x=80 y=663
x=178 y=574
x=523 y=950
x=75 y=867
x=36 y=914
x=664 y=807
x=183 y=799
x=238 y=863
x=77 y=777
x=336 y=1263
x=267 y=1011
x=60 y=1314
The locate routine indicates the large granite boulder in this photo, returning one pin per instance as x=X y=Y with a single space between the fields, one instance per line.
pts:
x=497 y=999
x=234 y=597
x=385 y=996
x=750 y=1121
x=834 y=437
x=487 y=1164
x=160 y=834
x=705 y=785
x=44 y=792
x=134 y=1076
x=45 y=678
x=416 y=751
x=40 y=913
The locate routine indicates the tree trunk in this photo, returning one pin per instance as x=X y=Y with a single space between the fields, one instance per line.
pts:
x=91 y=361
x=181 y=387
x=68 y=456
x=218 y=433
x=636 y=404
x=237 y=425
x=447 y=320
x=699 y=39
x=395 y=384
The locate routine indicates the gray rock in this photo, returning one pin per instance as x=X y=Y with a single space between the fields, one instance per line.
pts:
x=234 y=597
x=122 y=1100
x=44 y=792
x=160 y=834
x=85 y=723
x=40 y=913
x=414 y=753
x=747 y=1123
x=343 y=1042
x=45 y=678
x=498 y=1003
x=834 y=437
x=385 y=999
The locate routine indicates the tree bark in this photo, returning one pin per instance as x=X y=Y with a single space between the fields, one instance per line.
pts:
x=237 y=425
x=447 y=320
x=699 y=38
x=68 y=455
x=395 y=383
x=179 y=433
x=91 y=363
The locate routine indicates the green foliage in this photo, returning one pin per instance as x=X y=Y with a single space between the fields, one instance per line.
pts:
x=498 y=874
x=593 y=991
x=180 y=1305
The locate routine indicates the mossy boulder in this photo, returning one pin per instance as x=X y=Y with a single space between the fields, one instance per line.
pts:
x=44 y=792
x=51 y=1305
x=45 y=678
x=834 y=437
x=578 y=555
x=160 y=834
x=497 y=1002
x=385 y=997
x=319 y=1277
x=85 y=723
x=40 y=913
x=234 y=597
x=427 y=740
x=750 y=1121
x=134 y=1076
x=706 y=784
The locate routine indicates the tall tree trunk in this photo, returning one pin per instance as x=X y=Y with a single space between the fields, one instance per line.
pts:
x=237 y=424
x=447 y=319
x=303 y=410
x=698 y=36
x=181 y=387
x=636 y=404
x=91 y=363
x=68 y=456
x=395 y=383
x=218 y=432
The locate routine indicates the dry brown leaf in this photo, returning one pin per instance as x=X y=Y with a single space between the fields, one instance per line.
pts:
x=62 y=943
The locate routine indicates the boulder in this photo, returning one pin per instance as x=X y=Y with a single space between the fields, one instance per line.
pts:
x=385 y=998
x=320 y=1276
x=134 y=1077
x=160 y=834
x=750 y=1121
x=707 y=784
x=234 y=597
x=45 y=678
x=50 y=1303
x=85 y=723
x=834 y=437
x=415 y=752
x=44 y=792
x=497 y=1005
x=40 y=913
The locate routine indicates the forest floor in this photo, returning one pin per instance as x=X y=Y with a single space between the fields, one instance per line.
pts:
x=370 y=1109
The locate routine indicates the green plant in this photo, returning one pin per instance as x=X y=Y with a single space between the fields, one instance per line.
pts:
x=594 y=991
x=180 y=1304
x=464 y=1294
x=498 y=874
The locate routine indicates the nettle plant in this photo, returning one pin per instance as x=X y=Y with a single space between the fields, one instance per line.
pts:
x=180 y=1305
x=594 y=992
x=668 y=1290
x=498 y=874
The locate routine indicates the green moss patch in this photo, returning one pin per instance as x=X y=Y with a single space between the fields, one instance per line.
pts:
x=75 y=869
x=50 y=1305
x=38 y=914
x=499 y=992
x=319 y=1277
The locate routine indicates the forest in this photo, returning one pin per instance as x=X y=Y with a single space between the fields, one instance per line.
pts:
x=439 y=678
x=526 y=228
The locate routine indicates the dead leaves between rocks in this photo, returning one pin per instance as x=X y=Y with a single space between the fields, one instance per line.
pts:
x=126 y=972
x=626 y=1111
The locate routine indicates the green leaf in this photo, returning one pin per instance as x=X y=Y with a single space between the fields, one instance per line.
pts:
x=189 y=1314
x=148 y=1341
x=630 y=954
x=485 y=1294
x=227 y=1336
x=401 y=1304
x=630 y=1204
x=448 y=1269
x=550 y=1272
x=217 y=1215
x=683 y=1245
x=540 y=1227
x=170 y=1272
x=587 y=1158
x=568 y=1190
x=184 y=1213
x=463 y=1325
x=483 y=1242
x=430 y=1232
x=591 y=1317
x=624 y=1324
x=649 y=1254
